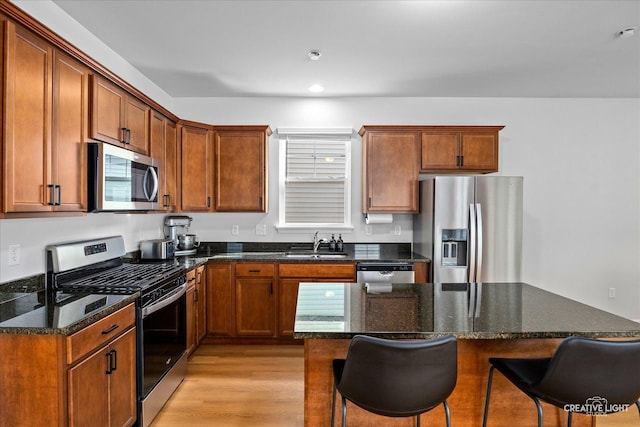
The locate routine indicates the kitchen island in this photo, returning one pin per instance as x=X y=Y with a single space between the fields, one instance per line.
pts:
x=489 y=320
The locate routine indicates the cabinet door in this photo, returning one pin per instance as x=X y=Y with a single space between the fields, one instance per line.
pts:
x=107 y=111
x=479 y=151
x=68 y=133
x=440 y=151
x=89 y=390
x=27 y=121
x=196 y=169
x=391 y=170
x=137 y=124
x=201 y=300
x=172 y=167
x=220 y=300
x=192 y=309
x=240 y=171
x=288 y=299
x=255 y=307
x=122 y=381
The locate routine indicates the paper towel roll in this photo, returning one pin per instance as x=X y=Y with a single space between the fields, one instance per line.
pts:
x=378 y=218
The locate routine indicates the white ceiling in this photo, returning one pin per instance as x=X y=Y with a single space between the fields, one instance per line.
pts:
x=472 y=48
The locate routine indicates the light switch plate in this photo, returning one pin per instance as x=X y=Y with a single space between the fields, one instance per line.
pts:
x=235 y=229
x=261 y=229
x=368 y=230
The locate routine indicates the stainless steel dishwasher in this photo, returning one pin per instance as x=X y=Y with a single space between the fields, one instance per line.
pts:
x=385 y=272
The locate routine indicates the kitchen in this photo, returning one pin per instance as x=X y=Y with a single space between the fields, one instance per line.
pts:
x=579 y=156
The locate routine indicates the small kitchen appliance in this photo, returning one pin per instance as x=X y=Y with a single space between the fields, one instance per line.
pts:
x=120 y=180
x=157 y=249
x=97 y=267
x=176 y=228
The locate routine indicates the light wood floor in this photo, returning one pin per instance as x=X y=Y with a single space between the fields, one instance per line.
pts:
x=229 y=386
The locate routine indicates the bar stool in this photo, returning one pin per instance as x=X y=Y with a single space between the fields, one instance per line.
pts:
x=583 y=376
x=396 y=378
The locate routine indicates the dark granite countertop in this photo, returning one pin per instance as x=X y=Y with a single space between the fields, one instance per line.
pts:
x=57 y=313
x=277 y=252
x=468 y=311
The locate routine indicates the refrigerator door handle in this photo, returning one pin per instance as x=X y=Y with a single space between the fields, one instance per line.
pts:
x=472 y=243
x=479 y=243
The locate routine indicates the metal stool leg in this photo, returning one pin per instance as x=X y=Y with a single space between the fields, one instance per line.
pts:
x=344 y=412
x=486 y=401
x=569 y=419
x=333 y=406
x=540 y=418
x=638 y=405
x=447 y=413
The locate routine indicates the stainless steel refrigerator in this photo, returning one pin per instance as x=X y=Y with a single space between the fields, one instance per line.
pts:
x=471 y=228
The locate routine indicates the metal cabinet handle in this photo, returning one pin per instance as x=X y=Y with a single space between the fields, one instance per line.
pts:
x=111 y=329
x=52 y=196
x=59 y=201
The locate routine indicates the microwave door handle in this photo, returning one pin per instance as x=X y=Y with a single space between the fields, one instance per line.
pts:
x=150 y=172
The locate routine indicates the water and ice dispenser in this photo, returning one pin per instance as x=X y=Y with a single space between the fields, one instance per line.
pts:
x=454 y=247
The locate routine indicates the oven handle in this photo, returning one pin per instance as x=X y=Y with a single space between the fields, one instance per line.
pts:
x=168 y=299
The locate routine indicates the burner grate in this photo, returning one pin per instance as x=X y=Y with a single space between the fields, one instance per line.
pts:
x=126 y=278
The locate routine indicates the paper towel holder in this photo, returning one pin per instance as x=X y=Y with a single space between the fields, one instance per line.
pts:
x=382 y=218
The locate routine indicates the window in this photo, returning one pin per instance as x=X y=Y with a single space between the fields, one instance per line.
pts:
x=315 y=178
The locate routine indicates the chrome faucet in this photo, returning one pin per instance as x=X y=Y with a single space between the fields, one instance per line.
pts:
x=317 y=242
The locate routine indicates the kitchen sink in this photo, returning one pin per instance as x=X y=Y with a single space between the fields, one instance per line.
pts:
x=315 y=255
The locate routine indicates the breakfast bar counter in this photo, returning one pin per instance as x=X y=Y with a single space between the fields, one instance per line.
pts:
x=489 y=320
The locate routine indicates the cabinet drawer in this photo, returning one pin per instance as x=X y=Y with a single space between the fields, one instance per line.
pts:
x=318 y=270
x=99 y=333
x=255 y=270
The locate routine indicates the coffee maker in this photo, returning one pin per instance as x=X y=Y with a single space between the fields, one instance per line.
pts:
x=176 y=228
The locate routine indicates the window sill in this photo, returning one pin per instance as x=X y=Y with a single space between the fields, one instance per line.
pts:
x=291 y=229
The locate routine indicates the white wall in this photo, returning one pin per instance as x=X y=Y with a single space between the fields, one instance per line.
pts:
x=580 y=159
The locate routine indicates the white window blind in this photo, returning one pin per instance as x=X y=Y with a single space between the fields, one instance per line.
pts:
x=315 y=179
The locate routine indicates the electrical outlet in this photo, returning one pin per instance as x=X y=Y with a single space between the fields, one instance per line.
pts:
x=235 y=229
x=261 y=229
x=398 y=230
x=368 y=230
x=612 y=293
x=14 y=254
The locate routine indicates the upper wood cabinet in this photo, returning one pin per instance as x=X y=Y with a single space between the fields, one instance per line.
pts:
x=241 y=168
x=390 y=168
x=458 y=149
x=196 y=164
x=164 y=147
x=45 y=125
x=118 y=117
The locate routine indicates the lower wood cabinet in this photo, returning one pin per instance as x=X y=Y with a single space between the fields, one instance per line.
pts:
x=258 y=300
x=196 y=308
x=255 y=300
x=100 y=385
x=291 y=275
x=192 y=310
x=85 y=379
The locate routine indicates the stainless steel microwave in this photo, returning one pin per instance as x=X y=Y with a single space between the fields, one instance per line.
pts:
x=120 y=180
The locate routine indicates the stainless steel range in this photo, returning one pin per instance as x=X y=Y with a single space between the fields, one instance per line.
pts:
x=97 y=266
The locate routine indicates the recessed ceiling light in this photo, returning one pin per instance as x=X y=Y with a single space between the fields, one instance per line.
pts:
x=314 y=55
x=626 y=33
x=316 y=88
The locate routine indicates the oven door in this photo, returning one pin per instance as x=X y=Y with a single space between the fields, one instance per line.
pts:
x=163 y=340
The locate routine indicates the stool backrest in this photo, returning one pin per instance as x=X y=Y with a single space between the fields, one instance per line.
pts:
x=582 y=369
x=399 y=378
